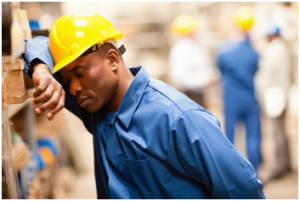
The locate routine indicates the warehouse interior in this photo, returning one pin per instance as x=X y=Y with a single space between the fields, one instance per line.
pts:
x=44 y=159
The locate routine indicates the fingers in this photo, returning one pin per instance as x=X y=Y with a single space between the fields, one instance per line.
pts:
x=49 y=94
x=49 y=115
x=51 y=102
x=41 y=78
x=41 y=87
x=61 y=104
x=46 y=95
x=53 y=105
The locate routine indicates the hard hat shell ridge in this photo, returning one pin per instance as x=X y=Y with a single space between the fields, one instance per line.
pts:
x=73 y=34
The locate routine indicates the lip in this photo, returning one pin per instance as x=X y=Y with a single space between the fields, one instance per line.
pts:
x=82 y=101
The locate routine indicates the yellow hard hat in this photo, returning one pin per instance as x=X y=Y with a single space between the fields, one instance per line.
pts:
x=73 y=34
x=244 y=17
x=184 y=24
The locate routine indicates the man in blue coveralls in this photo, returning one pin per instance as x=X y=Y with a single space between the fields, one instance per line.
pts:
x=150 y=141
x=238 y=63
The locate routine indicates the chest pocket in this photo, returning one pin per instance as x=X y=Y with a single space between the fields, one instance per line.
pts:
x=141 y=175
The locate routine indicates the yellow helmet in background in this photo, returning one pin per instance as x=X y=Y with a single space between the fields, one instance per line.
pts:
x=244 y=17
x=73 y=34
x=184 y=24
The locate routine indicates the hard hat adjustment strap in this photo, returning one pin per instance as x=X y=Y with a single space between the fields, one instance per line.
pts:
x=122 y=49
x=97 y=46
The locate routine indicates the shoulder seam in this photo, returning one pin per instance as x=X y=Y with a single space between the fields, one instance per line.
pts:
x=184 y=112
x=165 y=97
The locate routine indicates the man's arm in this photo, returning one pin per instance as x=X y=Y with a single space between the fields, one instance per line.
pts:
x=37 y=52
x=200 y=150
x=51 y=93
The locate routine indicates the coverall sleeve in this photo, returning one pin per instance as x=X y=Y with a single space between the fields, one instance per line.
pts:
x=37 y=48
x=199 y=149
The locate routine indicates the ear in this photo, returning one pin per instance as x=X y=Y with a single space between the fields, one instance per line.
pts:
x=113 y=59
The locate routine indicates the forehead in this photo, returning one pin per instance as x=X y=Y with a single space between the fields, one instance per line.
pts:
x=81 y=62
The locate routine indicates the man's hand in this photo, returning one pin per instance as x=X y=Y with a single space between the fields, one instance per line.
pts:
x=49 y=94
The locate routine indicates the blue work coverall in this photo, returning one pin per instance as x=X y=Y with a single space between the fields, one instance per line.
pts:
x=238 y=63
x=159 y=144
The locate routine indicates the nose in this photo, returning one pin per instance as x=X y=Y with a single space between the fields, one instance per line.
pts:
x=75 y=87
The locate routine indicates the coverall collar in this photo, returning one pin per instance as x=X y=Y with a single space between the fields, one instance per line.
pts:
x=133 y=95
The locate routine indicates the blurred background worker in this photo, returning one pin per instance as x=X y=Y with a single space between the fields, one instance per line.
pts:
x=273 y=81
x=191 y=69
x=238 y=63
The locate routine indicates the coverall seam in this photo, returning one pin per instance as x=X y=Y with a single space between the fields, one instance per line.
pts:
x=170 y=133
x=166 y=97
x=217 y=171
x=199 y=139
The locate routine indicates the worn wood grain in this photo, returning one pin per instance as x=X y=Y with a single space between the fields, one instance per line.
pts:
x=14 y=82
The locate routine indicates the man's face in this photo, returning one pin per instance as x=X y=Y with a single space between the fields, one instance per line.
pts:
x=91 y=80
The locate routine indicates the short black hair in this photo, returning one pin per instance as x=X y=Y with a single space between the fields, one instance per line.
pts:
x=105 y=48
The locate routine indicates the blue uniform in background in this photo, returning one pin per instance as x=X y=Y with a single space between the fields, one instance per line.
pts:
x=238 y=63
x=159 y=144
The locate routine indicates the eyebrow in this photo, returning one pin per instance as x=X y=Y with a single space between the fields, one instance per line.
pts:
x=78 y=66
x=74 y=69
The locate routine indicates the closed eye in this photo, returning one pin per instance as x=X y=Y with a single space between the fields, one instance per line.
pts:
x=79 y=74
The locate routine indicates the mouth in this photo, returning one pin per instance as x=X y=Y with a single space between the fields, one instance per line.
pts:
x=82 y=101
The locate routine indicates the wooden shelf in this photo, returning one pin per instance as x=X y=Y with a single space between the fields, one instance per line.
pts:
x=15 y=108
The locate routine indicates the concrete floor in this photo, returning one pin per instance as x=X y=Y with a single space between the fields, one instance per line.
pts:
x=283 y=188
x=84 y=187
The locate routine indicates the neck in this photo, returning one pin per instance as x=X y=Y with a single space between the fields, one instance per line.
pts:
x=125 y=80
x=191 y=35
x=242 y=36
x=238 y=34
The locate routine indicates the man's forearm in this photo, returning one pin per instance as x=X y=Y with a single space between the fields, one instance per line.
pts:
x=37 y=64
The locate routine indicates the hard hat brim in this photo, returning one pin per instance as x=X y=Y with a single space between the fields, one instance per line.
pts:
x=70 y=59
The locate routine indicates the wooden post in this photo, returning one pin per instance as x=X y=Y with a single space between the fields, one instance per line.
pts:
x=7 y=162
x=14 y=82
x=13 y=91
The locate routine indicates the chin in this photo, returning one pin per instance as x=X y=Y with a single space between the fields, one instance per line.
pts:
x=91 y=110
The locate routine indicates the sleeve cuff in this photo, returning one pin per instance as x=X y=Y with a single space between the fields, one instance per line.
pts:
x=37 y=51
